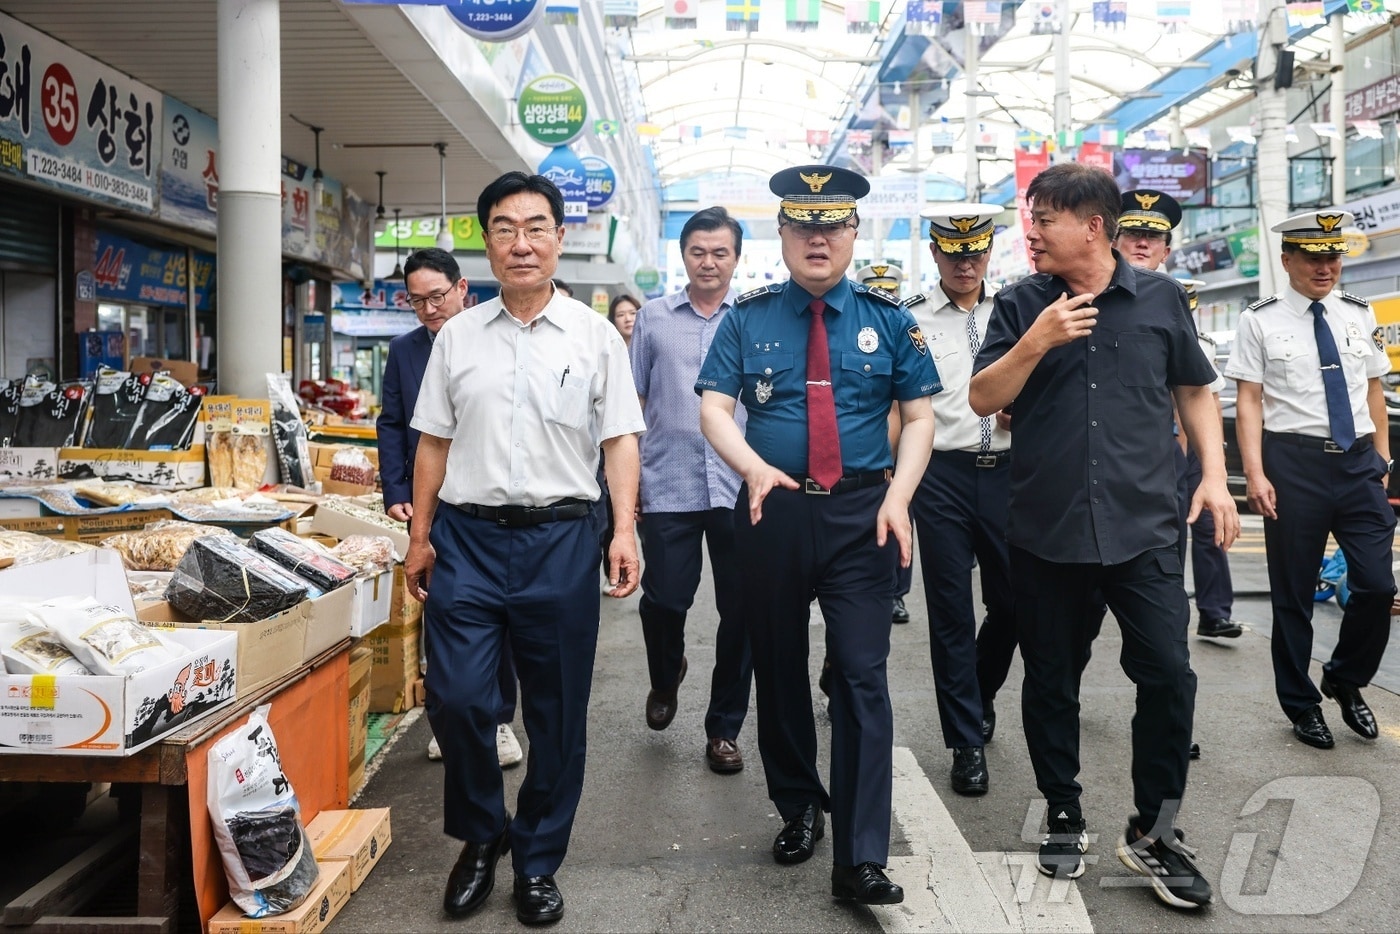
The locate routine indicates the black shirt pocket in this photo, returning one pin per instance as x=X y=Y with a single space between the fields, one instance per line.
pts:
x=1142 y=359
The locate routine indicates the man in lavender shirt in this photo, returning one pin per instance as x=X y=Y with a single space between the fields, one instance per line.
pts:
x=687 y=491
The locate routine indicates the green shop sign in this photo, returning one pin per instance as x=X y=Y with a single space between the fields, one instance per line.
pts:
x=415 y=234
x=1244 y=245
x=647 y=278
x=552 y=110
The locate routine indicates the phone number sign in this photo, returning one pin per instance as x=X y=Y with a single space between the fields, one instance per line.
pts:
x=70 y=122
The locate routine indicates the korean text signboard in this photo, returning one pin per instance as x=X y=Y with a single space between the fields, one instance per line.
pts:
x=1180 y=174
x=124 y=270
x=75 y=124
x=189 y=171
x=600 y=181
x=552 y=110
x=496 y=20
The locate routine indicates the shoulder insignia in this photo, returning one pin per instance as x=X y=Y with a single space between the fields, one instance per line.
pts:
x=1205 y=338
x=755 y=293
x=1378 y=338
x=1266 y=300
x=916 y=337
x=1354 y=299
x=879 y=293
x=913 y=300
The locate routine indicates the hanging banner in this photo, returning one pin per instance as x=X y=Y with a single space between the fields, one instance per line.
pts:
x=1028 y=166
x=1092 y=154
x=893 y=196
x=566 y=170
x=126 y=271
x=72 y=123
x=600 y=181
x=189 y=173
x=494 y=21
x=552 y=110
x=1183 y=175
x=420 y=233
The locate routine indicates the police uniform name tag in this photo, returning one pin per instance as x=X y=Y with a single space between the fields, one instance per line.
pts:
x=867 y=340
x=763 y=391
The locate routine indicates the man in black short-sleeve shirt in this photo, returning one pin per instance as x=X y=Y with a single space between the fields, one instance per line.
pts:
x=1092 y=352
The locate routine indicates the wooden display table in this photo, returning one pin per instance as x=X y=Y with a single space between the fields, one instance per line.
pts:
x=309 y=717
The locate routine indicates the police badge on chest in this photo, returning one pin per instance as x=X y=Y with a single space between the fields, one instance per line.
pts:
x=763 y=391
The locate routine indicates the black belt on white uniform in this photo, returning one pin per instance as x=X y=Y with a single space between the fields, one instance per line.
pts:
x=1319 y=444
x=517 y=516
x=848 y=483
x=979 y=458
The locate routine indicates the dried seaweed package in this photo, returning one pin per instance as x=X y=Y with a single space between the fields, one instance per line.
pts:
x=116 y=400
x=289 y=432
x=50 y=413
x=257 y=822
x=168 y=413
x=221 y=579
x=10 y=390
x=303 y=558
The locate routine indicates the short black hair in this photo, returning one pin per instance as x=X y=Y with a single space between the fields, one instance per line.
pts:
x=715 y=218
x=618 y=300
x=513 y=183
x=1080 y=189
x=434 y=259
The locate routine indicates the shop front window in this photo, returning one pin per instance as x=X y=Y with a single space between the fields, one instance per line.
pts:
x=1371 y=162
x=1309 y=180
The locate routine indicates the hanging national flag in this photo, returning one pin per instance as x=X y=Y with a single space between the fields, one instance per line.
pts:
x=941 y=141
x=1305 y=12
x=862 y=15
x=858 y=137
x=689 y=133
x=1043 y=19
x=1368 y=129
x=1173 y=15
x=736 y=132
x=1069 y=139
x=922 y=17
x=1157 y=139
x=980 y=13
x=901 y=139
x=680 y=14
x=561 y=12
x=1197 y=137
x=648 y=129
x=1240 y=134
x=1237 y=16
x=741 y=15
x=604 y=127
x=818 y=137
x=1329 y=130
x=1109 y=136
x=1110 y=14
x=803 y=15
x=1365 y=6
x=620 y=14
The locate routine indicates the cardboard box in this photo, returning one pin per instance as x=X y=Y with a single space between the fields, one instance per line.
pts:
x=403 y=606
x=340 y=487
x=19 y=507
x=358 y=837
x=331 y=893
x=32 y=463
x=88 y=528
x=167 y=470
x=183 y=370
x=328 y=619
x=395 y=668
x=330 y=522
x=107 y=715
x=374 y=597
x=361 y=666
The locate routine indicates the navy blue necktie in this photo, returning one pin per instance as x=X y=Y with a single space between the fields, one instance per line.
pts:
x=1334 y=381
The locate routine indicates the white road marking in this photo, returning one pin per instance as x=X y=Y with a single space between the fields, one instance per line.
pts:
x=948 y=887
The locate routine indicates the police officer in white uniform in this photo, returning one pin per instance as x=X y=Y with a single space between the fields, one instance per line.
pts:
x=960 y=507
x=1315 y=441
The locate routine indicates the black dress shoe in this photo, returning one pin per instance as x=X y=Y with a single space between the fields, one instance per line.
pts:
x=537 y=900
x=799 y=836
x=661 y=705
x=969 y=771
x=989 y=721
x=1355 y=713
x=866 y=884
x=474 y=876
x=1311 y=729
x=901 y=612
x=1194 y=751
x=1219 y=628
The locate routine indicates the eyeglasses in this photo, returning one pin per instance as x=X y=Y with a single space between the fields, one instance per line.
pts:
x=827 y=231
x=433 y=298
x=507 y=234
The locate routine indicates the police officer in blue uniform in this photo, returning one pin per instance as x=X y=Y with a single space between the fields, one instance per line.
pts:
x=1315 y=441
x=818 y=360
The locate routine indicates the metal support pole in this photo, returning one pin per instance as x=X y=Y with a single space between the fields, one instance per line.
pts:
x=1271 y=151
x=915 y=277
x=1337 y=107
x=1062 y=98
x=973 y=179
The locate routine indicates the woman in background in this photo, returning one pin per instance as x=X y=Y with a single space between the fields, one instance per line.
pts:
x=622 y=312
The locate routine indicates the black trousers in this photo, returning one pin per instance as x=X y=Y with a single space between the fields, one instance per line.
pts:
x=674 y=558
x=823 y=546
x=1210 y=566
x=960 y=512
x=1056 y=615
x=1317 y=493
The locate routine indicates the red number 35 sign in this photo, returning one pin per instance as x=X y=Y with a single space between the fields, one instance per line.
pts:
x=59 y=99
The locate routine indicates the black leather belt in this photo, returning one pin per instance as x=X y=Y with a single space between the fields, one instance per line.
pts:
x=1320 y=444
x=517 y=516
x=979 y=459
x=848 y=483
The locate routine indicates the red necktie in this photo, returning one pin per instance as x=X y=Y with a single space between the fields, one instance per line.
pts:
x=823 y=440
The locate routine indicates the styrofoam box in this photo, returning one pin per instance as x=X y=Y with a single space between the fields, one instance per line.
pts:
x=373 y=597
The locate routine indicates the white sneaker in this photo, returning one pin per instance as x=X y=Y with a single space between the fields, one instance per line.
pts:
x=507 y=746
x=434 y=750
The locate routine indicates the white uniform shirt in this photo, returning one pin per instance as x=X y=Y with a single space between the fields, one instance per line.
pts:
x=1208 y=348
x=955 y=426
x=526 y=405
x=1275 y=346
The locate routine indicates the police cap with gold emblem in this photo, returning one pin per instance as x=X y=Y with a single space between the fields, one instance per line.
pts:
x=1148 y=211
x=818 y=195
x=1316 y=231
x=961 y=229
x=885 y=276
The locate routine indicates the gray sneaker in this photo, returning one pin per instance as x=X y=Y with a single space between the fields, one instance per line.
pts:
x=1062 y=852
x=1169 y=865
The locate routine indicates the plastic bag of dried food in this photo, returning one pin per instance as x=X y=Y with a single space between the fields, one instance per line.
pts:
x=257 y=822
x=160 y=545
x=168 y=413
x=367 y=554
x=303 y=557
x=28 y=548
x=10 y=391
x=50 y=413
x=31 y=648
x=221 y=579
x=105 y=638
x=116 y=399
x=352 y=465
x=289 y=432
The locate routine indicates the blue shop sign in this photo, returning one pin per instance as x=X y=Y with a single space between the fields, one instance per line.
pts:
x=126 y=271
